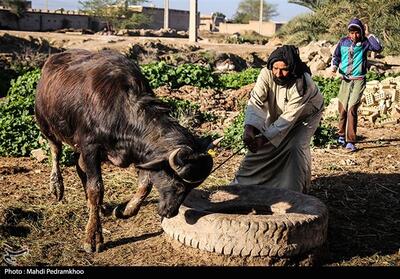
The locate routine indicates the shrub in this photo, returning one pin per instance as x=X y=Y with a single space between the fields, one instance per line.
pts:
x=240 y=79
x=234 y=133
x=160 y=73
x=329 y=88
x=18 y=132
x=187 y=113
x=196 y=75
x=324 y=136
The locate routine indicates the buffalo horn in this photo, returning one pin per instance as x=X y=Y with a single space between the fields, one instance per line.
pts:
x=171 y=160
x=214 y=143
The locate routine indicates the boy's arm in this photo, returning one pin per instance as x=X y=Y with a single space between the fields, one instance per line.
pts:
x=336 y=58
x=374 y=43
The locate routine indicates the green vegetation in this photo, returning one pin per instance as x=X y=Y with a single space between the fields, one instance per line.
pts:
x=324 y=136
x=18 y=131
x=233 y=134
x=19 y=134
x=187 y=113
x=330 y=18
x=329 y=88
x=160 y=73
x=237 y=80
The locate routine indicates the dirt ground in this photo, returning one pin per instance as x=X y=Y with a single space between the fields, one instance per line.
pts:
x=361 y=190
x=97 y=42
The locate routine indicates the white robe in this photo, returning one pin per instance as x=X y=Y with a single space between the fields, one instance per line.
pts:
x=288 y=120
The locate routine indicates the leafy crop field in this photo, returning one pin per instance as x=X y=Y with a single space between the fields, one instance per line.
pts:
x=361 y=189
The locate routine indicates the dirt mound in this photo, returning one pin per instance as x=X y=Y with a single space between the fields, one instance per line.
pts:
x=13 y=44
x=209 y=99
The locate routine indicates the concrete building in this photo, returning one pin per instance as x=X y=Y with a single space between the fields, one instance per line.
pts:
x=45 y=20
x=268 y=28
x=210 y=22
x=177 y=19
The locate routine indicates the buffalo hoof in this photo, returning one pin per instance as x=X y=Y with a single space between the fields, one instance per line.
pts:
x=89 y=248
x=57 y=187
x=118 y=212
x=106 y=210
x=99 y=247
x=58 y=194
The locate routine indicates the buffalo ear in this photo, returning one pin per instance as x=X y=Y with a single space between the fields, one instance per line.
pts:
x=203 y=143
x=207 y=143
x=214 y=143
x=196 y=168
x=156 y=164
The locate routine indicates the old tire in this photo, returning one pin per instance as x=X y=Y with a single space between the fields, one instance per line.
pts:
x=250 y=221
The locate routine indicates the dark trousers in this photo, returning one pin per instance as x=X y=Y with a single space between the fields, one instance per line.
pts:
x=349 y=100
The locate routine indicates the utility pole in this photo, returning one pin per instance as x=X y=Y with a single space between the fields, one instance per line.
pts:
x=193 y=21
x=166 y=14
x=261 y=16
x=47 y=4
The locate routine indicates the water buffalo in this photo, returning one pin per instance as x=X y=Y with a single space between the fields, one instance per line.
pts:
x=101 y=105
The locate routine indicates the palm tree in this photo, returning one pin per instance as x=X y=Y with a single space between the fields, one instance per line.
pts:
x=311 y=4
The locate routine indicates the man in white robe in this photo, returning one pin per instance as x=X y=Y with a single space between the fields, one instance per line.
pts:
x=283 y=112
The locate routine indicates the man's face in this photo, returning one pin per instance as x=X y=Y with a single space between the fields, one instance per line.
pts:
x=280 y=69
x=355 y=35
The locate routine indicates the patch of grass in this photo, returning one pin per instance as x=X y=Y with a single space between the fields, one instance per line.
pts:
x=363 y=223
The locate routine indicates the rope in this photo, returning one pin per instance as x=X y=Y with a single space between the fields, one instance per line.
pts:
x=226 y=160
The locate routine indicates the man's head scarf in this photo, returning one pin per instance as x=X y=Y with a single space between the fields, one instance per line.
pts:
x=289 y=54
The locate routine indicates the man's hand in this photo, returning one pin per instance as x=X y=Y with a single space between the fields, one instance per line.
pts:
x=253 y=139
x=260 y=141
x=249 y=135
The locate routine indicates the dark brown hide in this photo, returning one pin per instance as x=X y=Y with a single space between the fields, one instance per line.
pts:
x=101 y=105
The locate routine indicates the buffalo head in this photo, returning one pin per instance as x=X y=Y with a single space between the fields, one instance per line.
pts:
x=175 y=175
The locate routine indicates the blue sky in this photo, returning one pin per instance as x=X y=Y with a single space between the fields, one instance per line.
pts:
x=228 y=7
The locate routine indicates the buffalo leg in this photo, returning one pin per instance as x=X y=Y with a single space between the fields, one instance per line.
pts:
x=133 y=206
x=56 y=180
x=95 y=191
x=81 y=170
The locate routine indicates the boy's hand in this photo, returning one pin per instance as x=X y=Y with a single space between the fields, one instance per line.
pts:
x=332 y=72
x=366 y=30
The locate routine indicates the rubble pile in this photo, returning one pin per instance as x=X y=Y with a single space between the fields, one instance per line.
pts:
x=380 y=103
